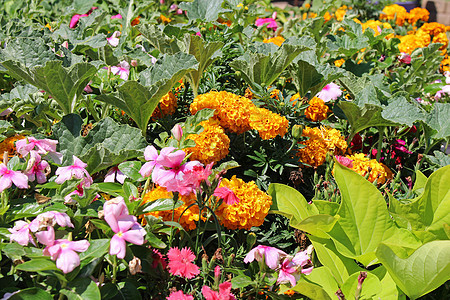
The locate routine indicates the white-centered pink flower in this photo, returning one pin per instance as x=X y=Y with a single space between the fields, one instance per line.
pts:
x=123 y=69
x=50 y=218
x=76 y=170
x=271 y=23
x=42 y=147
x=8 y=177
x=129 y=230
x=113 y=40
x=65 y=253
x=112 y=210
x=270 y=255
x=20 y=233
x=330 y=92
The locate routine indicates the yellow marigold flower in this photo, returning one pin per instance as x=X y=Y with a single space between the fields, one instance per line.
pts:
x=441 y=38
x=327 y=16
x=396 y=12
x=211 y=145
x=274 y=94
x=321 y=141
x=433 y=28
x=377 y=26
x=338 y=63
x=252 y=208
x=278 y=40
x=168 y=105
x=8 y=145
x=410 y=42
x=165 y=19
x=445 y=64
x=417 y=14
x=189 y=217
x=363 y=165
x=232 y=111
x=340 y=13
x=268 y=124
x=295 y=98
x=317 y=110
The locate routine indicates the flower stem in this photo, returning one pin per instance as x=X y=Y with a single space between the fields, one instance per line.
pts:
x=114 y=278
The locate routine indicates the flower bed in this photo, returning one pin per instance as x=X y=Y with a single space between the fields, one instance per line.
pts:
x=223 y=150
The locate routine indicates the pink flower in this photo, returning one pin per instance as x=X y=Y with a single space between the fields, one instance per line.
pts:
x=198 y=33
x=77 y=170
x=43 y=146
x=157 y=259
x=330 y=92
x=64 y=252
x=129 y=230
x=50 y=218
x=177 y=132
x=76 y=18
x=197 y=175
x=78 y=192
x=226 y=194
x=405 y=58
x=345 y=161
x=123 y=69
x=179 y=295
x=272 y=23
x=180 y=263
x=113 y=209
x=20 y=233
x=400 y=146
x=150 y=154
x=115 y=174
x=46 y=237
x=292 y=267
x=223 y=294
x=445 y=90
x=6 y=112
x=118 y=16
x=37 y=168
x=113 y=40
x=302 y=259
x=217 y=272
x=8 y=177
x=271 y=255
x=172 y=178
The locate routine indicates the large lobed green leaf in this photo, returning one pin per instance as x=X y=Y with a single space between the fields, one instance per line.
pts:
x=107 y=144
x=139 y=100
x=425 y=270
x=203 y=10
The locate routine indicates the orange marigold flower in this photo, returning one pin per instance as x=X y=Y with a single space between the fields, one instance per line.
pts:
x=363 y=165
x=396 y=12
x=340 y=13
x=278 y=40
x=165 y=19
x=232 y=111
x=211 y=145
x=136 y=21
x=268 y=124
x=417 y=14
x=441 y=38
x=186 y=219
x=8 y=145
x=410 y=42
x=433 y=28
x=445 y=64
x=317 y=110
x=248 y=93
x=167 y=106
x=321 y=141
x=338 y=63
x=327 y=16
x=274 y=94
x=252 y=208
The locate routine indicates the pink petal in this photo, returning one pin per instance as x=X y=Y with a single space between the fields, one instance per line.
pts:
x=19 y=179
x=5 y=183
x=150 y=153
x=209 y=294
x=117 y=247
x=134 y=237
x=67 y=261
x=46 y=237
x=79 y=246
x=125 y=222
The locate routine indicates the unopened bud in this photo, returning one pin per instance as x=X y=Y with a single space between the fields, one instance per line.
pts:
x=177 y=132
x=135 y=266
x=134 y=63
x=297 y=131
x=101 y=214
x=251 y=240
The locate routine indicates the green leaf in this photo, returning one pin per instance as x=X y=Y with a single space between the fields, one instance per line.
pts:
x=37 y=265
x=290 y=203
x=26 y=51
x=241 y=281
x=154 y=241
x=438 y=120
x=161 y=205
x=421 y=181
x=362 y=118
x=31 y=294
x=14 y=251
x=326 y=207
x=65 y=85
x=319 y=285
x=341 y=267
x=131 y=170
x=317 y=225
x=439 y=159
x=262 y=66
x=159 y=40
x=425 y=270
x=400 y=111
x=364 y=219
x=106 y=145
x=430 y=211
x=97 y=248
x=127 y=290
x=140 y=100
x=80 y=289
x=204 y=10
x=369 y=289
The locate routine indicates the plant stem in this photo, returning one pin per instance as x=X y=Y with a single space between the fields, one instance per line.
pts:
x=380 y=142
x=114 y=278
x=175 y=200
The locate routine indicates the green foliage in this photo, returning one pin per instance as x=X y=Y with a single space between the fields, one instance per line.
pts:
x=203 y=10
x=106 y=145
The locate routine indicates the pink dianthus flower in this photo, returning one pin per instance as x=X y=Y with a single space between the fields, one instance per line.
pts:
x=180 y=263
